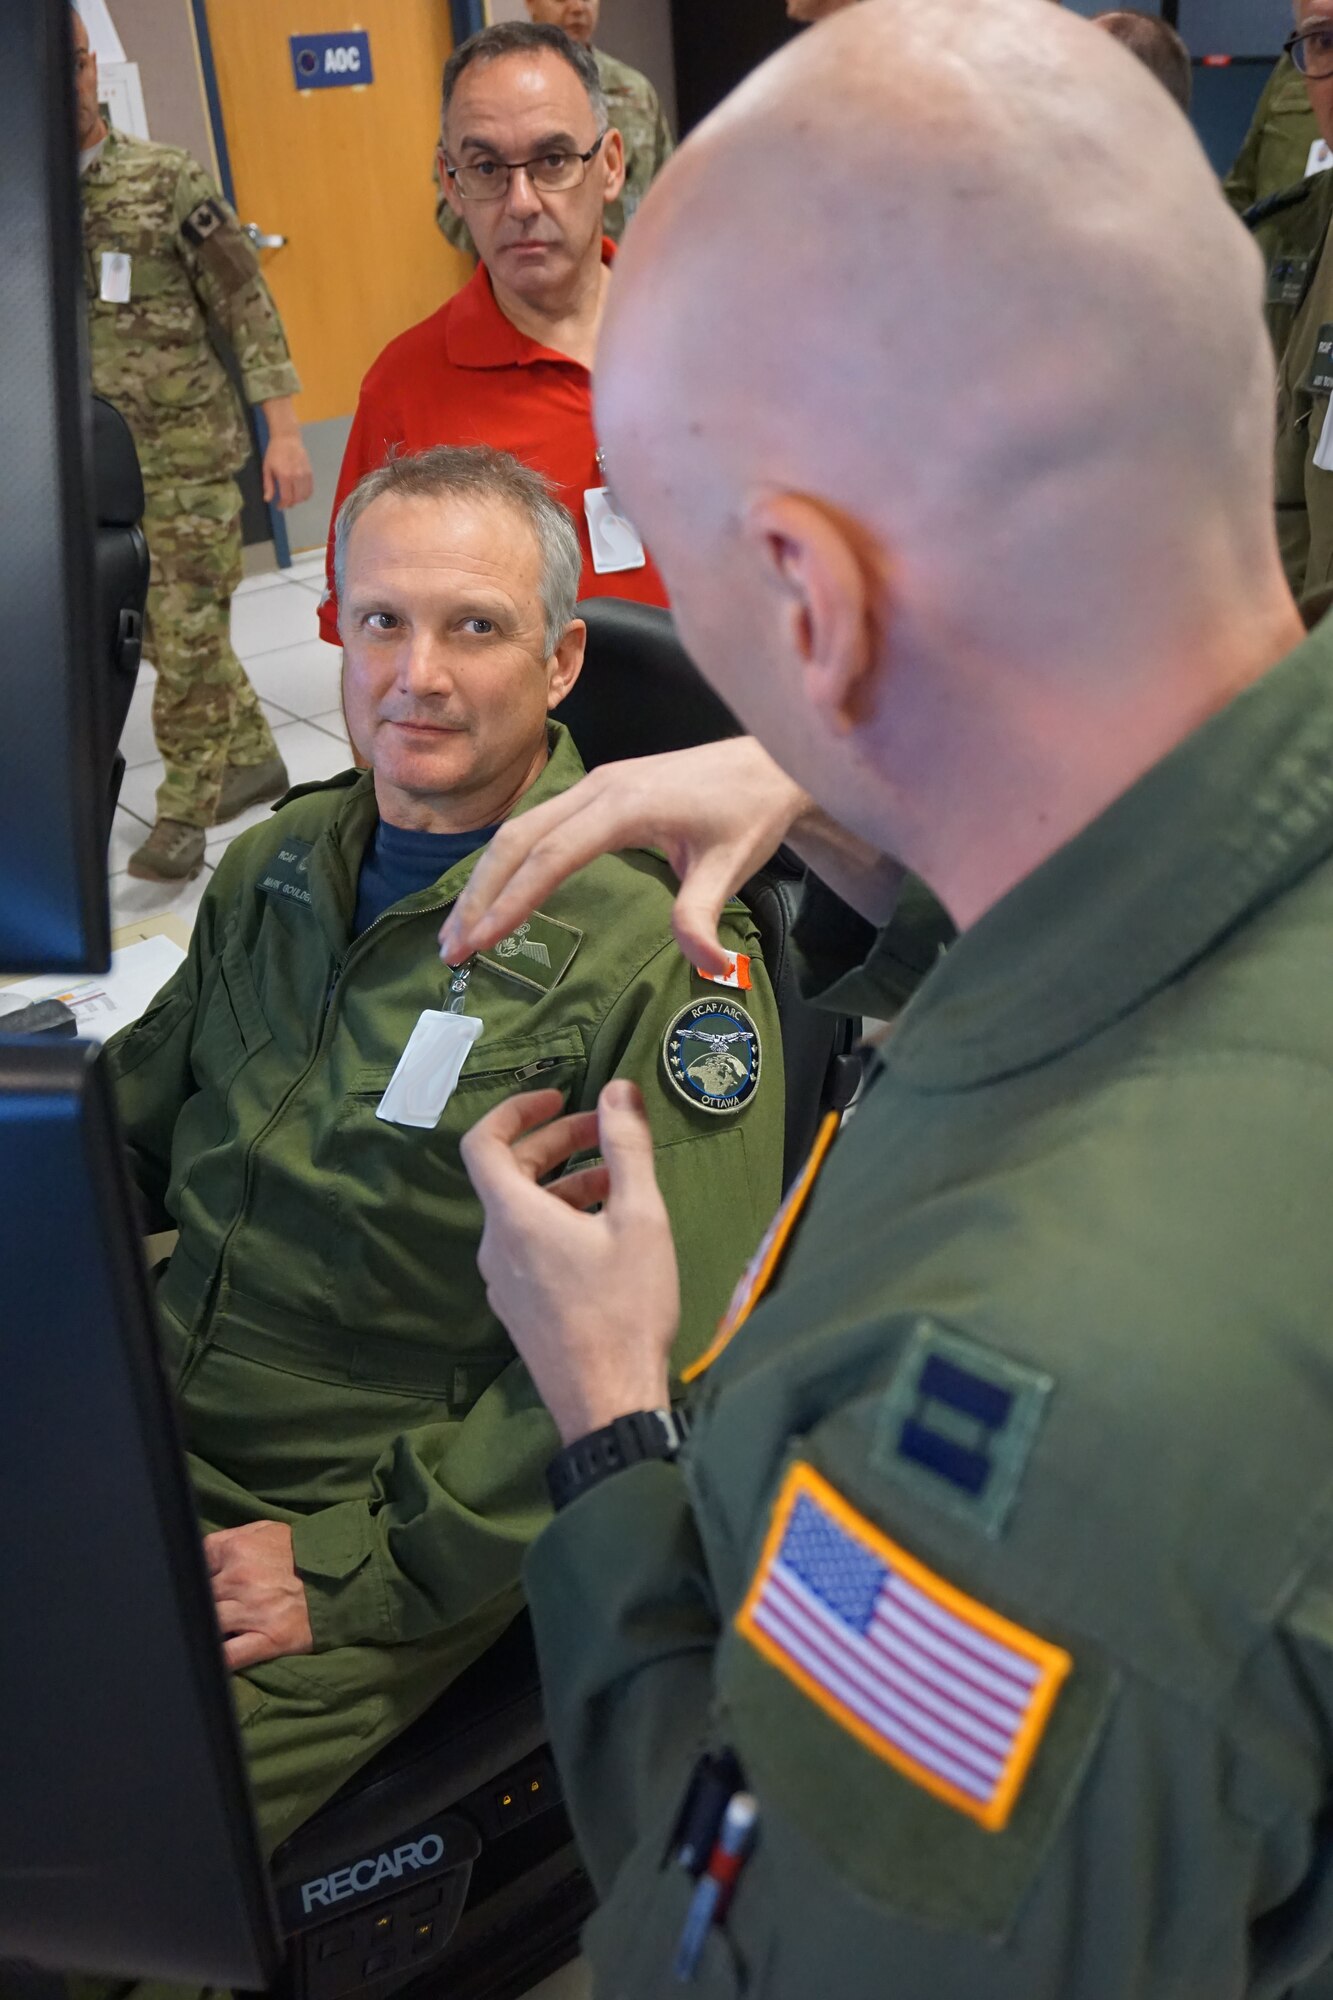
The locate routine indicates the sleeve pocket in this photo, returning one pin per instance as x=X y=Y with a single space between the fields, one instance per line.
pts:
x=151 y=1030
x=910 y=1852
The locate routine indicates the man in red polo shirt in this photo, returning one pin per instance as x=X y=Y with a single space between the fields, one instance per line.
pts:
x=528 y=157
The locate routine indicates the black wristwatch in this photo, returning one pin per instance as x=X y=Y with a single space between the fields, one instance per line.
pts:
x=628 y=1441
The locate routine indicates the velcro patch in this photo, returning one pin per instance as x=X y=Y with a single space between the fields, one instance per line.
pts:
x=201 y=222
x=958 y=1423
x=954 y=1696
x=221 y=248
x=1320 y=379
x=1288 y=280
x=538 y=954
x=284 y=873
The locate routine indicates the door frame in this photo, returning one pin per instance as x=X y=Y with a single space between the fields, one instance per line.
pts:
x=467 y=15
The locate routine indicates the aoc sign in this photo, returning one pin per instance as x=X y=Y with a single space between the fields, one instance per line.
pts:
x=331 y=62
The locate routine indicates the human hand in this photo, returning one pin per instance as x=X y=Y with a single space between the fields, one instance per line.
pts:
x=717 y=813
x=287 y=473
x=591 y=1302
x=259 y=1598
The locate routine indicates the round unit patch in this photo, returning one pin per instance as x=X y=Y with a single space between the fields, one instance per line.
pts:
x=711 y=1053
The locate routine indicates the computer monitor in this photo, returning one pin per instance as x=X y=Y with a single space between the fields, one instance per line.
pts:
x=127 y=1840
x=53 y=774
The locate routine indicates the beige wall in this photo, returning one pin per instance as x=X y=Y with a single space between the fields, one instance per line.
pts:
x=159 y=36
x=638 y=31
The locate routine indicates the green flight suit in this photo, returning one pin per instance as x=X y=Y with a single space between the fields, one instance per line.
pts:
x=189 y=270
x=336 y=1363
x=1290 y=229
x=1277 y=145
x=1090 y=1191
x=635 y=111
x=1304 y=490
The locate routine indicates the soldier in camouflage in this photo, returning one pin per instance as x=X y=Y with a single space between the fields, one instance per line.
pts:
x=635 y=112
x=164 y=257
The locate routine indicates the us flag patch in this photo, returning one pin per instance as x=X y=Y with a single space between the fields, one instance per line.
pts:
x=954 y=1696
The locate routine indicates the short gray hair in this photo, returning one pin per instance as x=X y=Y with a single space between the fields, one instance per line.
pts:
x=476 y=472
x=514 y=38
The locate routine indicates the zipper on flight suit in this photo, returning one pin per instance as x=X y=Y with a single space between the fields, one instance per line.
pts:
x=197 y=1341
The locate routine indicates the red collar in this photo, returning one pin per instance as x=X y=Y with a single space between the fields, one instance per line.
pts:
x=478 y=335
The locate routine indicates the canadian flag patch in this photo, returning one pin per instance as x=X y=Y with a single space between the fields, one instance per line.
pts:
x=737 y=973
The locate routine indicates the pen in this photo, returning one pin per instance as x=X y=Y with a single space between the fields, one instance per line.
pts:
x=712 y=1891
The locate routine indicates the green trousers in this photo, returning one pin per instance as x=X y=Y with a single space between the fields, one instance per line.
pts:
x=306 y=1725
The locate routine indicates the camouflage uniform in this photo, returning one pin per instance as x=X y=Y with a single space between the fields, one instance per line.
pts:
x=637 y=115
x=152 y=358
x=1278 y=143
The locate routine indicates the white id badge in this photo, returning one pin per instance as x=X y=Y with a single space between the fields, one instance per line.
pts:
x=428 y=1070
x=116 y=277
x=615 y=544
x=1323 y=451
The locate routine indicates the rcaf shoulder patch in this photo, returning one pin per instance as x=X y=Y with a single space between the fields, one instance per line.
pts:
x=711 y=1054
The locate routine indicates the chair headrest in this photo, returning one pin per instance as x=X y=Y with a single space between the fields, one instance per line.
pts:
x=117 y=482
x=639 y=692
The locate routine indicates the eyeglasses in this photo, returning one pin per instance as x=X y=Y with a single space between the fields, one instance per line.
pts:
x=551 y=173
x=1312 y=52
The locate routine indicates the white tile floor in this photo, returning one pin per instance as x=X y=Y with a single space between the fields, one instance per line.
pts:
x=296 y=678
x=295 y=675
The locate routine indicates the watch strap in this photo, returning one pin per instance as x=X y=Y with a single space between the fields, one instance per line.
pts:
x=630 y=1440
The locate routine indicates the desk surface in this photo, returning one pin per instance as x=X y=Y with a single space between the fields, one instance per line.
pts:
x=169 y=926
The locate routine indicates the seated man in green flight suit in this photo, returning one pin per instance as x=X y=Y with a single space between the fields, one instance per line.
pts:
x=367 y=1451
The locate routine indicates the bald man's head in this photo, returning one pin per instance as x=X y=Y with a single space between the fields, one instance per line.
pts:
x=960 y=274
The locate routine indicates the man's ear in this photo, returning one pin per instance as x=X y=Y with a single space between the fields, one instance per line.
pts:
x=447 y=188
x=566 y=662
x=820 y=562
x=612 y=157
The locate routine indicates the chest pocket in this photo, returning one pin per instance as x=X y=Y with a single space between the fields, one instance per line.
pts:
x=232 y=1027
x=492 y=1072
x=405 y=1220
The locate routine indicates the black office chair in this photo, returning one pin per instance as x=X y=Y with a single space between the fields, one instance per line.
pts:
x=483 y=1894
x=120 y=579
x=640 y=692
